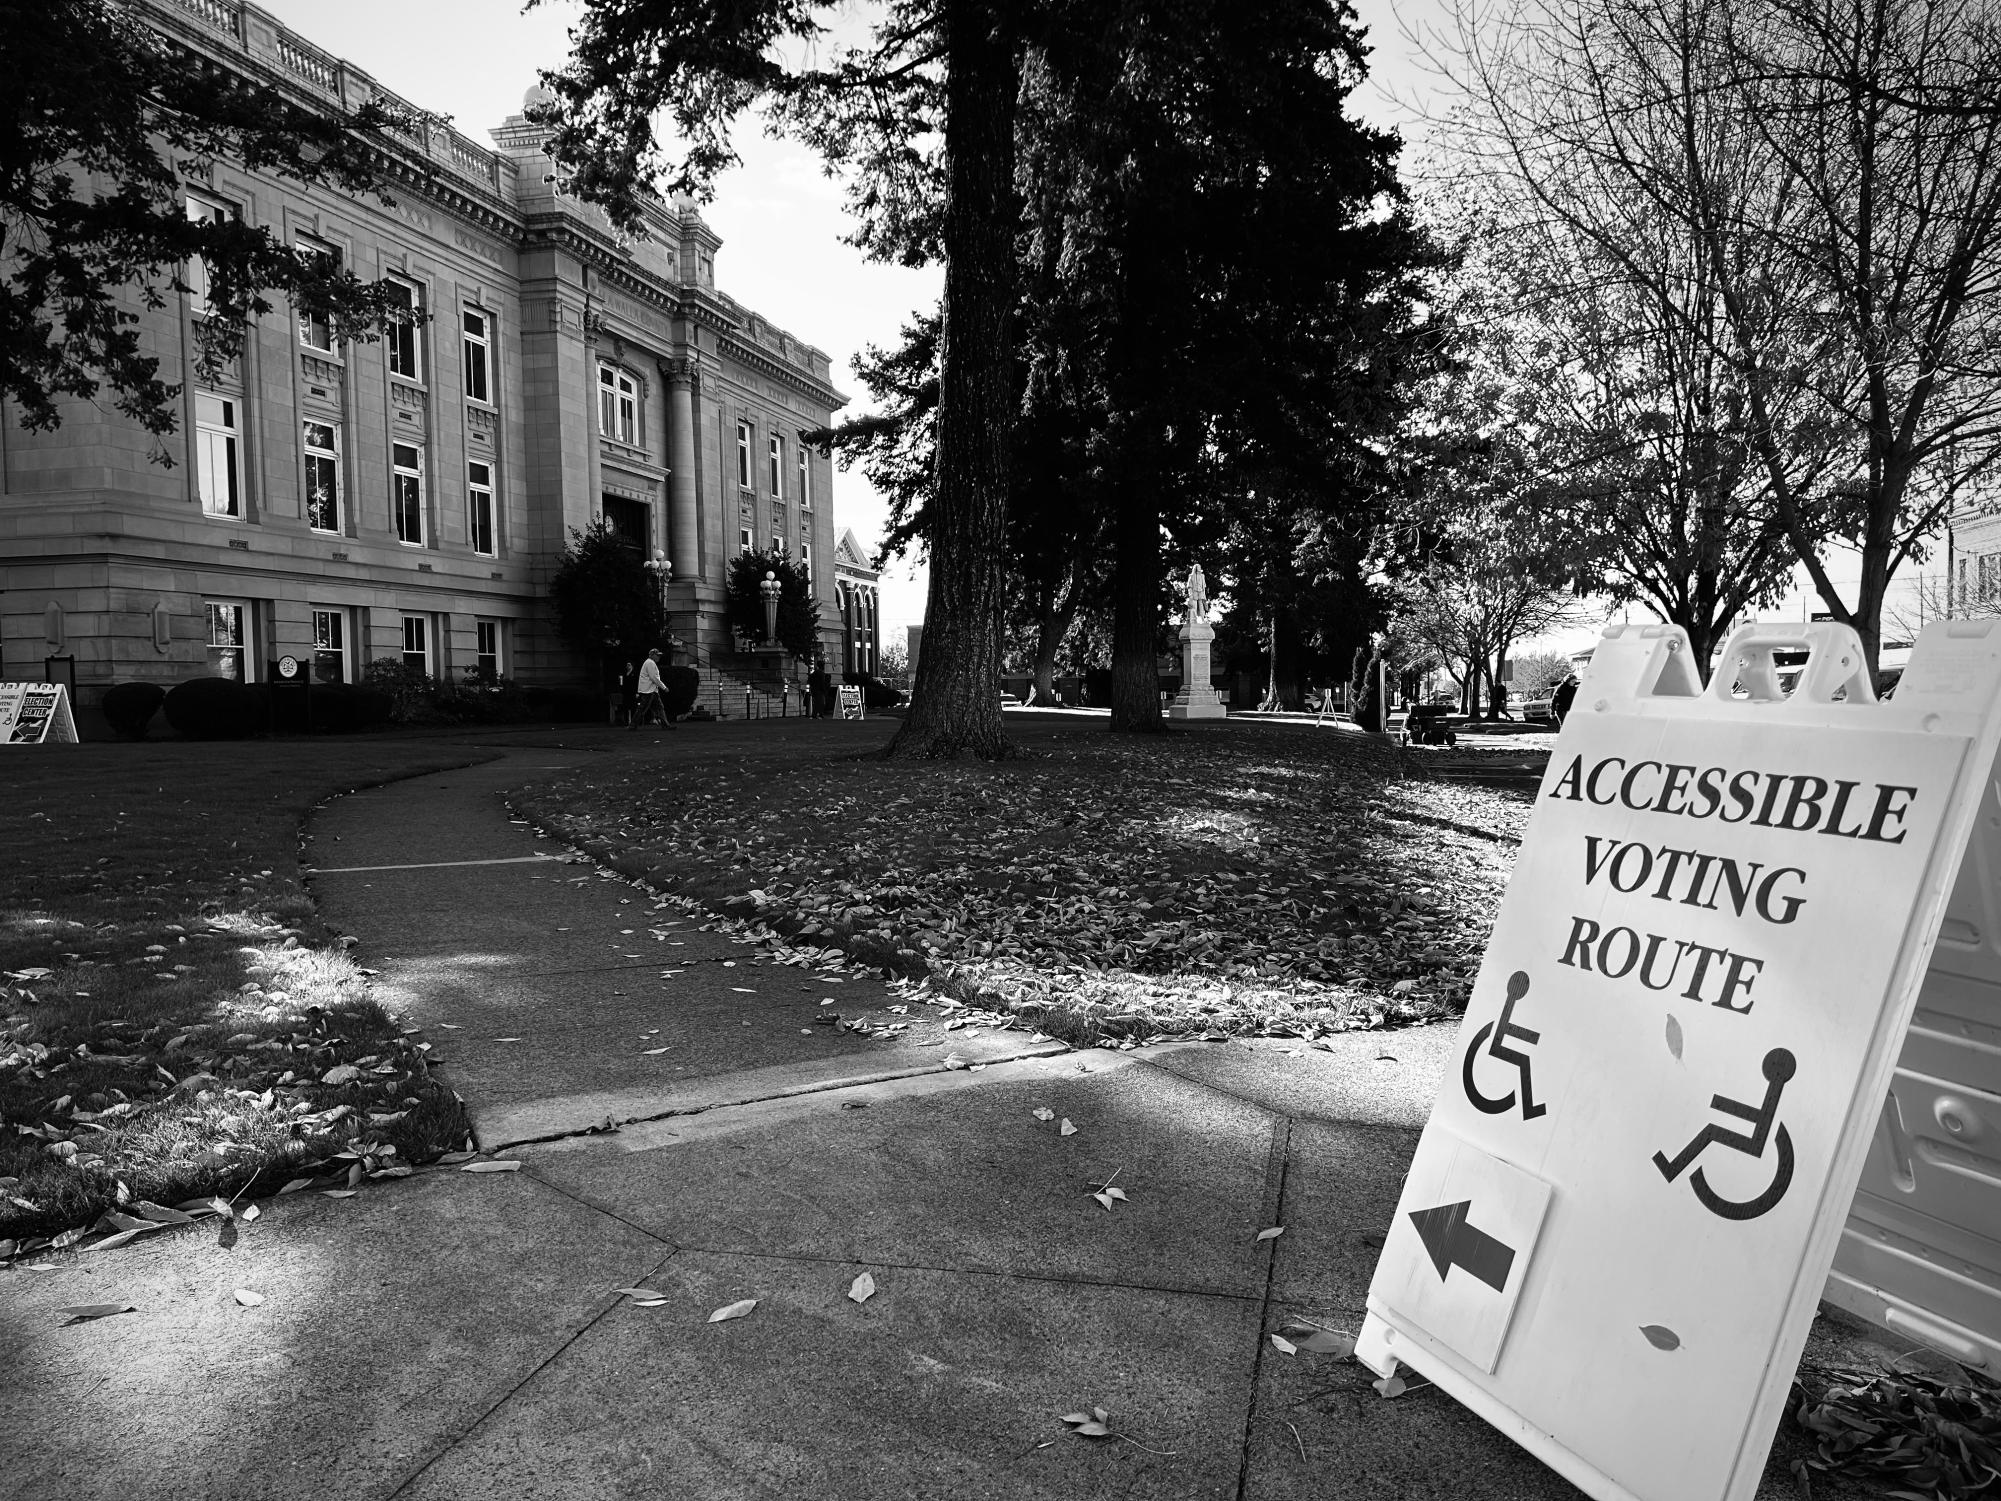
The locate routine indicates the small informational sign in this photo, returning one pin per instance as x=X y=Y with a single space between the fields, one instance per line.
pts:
x=288 y=667
x=36 y=714
x=1623 y=1209
x=851 y=701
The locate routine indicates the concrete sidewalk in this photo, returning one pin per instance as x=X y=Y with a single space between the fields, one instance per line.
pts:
x=458 y=1335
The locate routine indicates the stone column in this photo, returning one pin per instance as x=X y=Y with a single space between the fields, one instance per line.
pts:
x=682 y=512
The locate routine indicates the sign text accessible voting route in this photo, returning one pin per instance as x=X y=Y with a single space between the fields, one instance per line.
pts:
x=1623 y=1208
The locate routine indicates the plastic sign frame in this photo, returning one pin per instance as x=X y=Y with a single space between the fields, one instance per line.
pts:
x=36 y=714
x=1621 y=1214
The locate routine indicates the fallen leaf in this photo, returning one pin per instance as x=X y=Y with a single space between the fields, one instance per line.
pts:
x=248 y=1213
x=340 y=1073
x=1322 y=1341
x=340 y=1193
x=1389 y=1386
x=638 y=1292
x=953 y=1060
x=1092 y=1430
x=452 y=1157
x=96 y=1310
x=1283 y=1345
x=1272 y=1234
x=248 y=1298
x=862 y=1288
x=1043 y=1113
x=655 y=1052
x=1066 y=1129
x=734 y=1310
x=1674 y=1038
x=1660 y=1337
x=491 y=1167
x=295 y=1185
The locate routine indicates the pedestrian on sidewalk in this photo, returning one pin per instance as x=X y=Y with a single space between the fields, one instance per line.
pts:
x=1561 y=700
x=651 y=689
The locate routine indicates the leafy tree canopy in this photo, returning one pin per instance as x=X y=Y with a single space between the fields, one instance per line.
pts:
x=105 y=121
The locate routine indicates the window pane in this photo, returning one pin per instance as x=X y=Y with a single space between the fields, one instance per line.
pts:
x=225 y=640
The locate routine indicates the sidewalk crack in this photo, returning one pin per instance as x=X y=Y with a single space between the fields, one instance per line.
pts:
x=1281 y=1158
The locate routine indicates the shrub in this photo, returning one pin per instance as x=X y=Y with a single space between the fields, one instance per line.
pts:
x=409 y=690
x=131 y=706
x=215 y=709
x=343 y=708
x=682 y=684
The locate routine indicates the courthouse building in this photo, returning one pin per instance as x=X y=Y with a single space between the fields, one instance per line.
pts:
x=409 y=498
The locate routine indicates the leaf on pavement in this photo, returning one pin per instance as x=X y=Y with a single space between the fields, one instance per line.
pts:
x=248 y=1213
x=69 y=1237
x=294 y=1186
x=248 y=1298
x=1660 y=1337
x=862 y=1288
x=340 y=1073
x=84 y=1311
x=1066 y=1129
x=340 y=1193
x=1389 y=1386
x=1321 y=1341
x=1283 y=1345
x=655 y=1052
x=734 y=1310
x=491 y=1167
x=1043 y=1113
x=1272 y=1234
x=953 y=1060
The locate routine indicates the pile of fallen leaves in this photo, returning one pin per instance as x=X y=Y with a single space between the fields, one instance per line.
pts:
x=1263 y=879
x=297 y=1067
x=1935 y=1434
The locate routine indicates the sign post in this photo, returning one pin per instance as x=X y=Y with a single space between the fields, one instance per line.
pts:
x=36 y=714
x=1623 y=1209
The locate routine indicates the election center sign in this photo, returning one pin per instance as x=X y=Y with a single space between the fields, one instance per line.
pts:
x=1623 y=1209
x=36 y=714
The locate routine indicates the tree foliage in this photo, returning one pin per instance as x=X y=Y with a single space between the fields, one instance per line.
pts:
x=1818 y=161
x=607 y=605
x=798 y=616
x=105 y=122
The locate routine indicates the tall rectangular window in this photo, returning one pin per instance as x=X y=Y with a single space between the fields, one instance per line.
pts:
x=228 y=647
x=486 y=660
x=329 y=646
x=315 y=332
x=631 y=521
x=322 y=443
x=218 y=457
x=479 y=507
x=203 y=211
x=743 y=455
x=805 y=479
x=405 y=351
x=806 y=562
x=406 y=493
x=778 y=538
x=478 y=340
x=417 y=643
x=777 y=454
x=618 y=405
x=745 y=542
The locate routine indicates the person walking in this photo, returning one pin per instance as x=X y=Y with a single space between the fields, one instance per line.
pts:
x=651 y=689
x=1560 y=701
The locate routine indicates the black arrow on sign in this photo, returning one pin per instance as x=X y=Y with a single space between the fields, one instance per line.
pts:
x=1453 y=1242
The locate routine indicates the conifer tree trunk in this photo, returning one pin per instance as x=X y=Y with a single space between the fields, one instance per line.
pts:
x=955 y=700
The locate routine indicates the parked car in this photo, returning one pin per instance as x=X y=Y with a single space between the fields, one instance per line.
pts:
x=1541 y=708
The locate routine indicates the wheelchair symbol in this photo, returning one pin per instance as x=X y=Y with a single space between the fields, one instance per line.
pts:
x=1779 y=1066
x=1504 y=1030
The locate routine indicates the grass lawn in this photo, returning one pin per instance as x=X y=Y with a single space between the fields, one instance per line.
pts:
x=175 y=1023
x=1244 y=878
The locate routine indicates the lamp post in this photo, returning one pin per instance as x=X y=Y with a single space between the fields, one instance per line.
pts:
x=661 y=567
x=770 y=589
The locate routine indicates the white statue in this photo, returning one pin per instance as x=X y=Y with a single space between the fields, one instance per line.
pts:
x=1198 y=594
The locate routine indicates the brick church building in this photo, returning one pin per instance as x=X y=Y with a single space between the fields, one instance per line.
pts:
x=409 y=498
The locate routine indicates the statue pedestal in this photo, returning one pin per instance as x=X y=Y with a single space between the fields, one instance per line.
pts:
x=1197 y=700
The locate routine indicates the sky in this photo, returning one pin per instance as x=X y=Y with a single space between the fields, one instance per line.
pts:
x=780 y=218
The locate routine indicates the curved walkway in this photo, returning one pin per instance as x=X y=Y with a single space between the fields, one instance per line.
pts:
x=459 y=1335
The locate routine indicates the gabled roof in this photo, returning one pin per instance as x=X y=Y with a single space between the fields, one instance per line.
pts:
x=849 y=554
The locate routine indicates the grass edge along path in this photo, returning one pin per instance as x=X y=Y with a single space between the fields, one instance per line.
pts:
x=137 y=1092
x=1162 y=863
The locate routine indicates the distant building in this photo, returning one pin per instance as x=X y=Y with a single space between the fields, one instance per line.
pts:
x=409 y=498
x=859 y=603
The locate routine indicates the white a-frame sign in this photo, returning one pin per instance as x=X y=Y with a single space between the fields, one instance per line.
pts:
x=1624 y=1207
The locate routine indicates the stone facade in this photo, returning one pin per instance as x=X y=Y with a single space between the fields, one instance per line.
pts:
x=409 y=498
x=859 y=606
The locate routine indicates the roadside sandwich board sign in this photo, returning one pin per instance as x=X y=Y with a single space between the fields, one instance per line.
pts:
x=851 y=701
x=1623 y=1210
x=36 y=714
